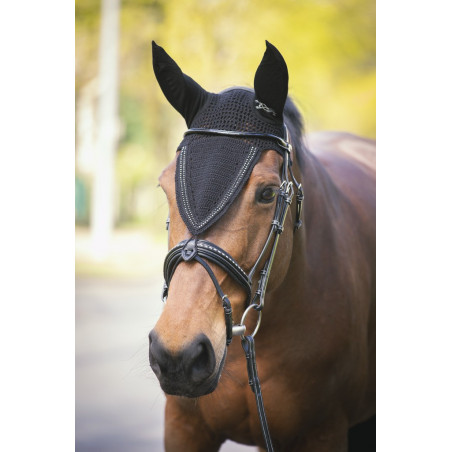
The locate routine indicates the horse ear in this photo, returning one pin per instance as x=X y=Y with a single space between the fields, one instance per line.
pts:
x=182 y=92
x=271 y=82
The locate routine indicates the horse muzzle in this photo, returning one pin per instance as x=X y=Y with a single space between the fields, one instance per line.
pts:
x=190 y=372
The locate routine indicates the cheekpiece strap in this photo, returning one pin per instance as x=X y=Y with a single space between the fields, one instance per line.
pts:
x=300 y=198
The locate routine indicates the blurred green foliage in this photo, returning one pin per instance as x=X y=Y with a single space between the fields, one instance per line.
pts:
x=329 y=47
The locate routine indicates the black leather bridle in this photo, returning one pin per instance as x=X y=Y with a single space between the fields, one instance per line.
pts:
x=202 y=251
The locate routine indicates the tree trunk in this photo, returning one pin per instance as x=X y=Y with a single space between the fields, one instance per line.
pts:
x=102 y=215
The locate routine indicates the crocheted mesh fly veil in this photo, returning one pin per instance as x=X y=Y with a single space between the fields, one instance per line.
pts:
x=212 y=170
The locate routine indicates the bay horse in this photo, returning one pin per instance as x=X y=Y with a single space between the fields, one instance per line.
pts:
x=315 y=346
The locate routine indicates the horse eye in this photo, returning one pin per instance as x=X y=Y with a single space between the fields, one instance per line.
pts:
x=267 y=195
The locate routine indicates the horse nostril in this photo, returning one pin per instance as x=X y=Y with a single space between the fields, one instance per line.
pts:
x=157 y=355
x=195 y=363
x=200 y=359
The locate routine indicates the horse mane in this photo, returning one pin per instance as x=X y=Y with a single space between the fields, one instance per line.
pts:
x=295 y=124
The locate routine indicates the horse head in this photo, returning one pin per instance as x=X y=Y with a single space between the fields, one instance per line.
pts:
x=228 y=193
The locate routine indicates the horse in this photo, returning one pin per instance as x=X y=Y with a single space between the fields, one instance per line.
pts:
x=315 y=338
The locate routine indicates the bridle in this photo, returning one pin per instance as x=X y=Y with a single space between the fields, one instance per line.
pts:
x=201 y=251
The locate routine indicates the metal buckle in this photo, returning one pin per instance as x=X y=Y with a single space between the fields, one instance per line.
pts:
x=289 y=192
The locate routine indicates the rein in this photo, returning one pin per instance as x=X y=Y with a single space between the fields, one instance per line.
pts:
x=203 y=250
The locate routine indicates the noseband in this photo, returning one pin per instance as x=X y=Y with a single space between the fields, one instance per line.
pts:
x=202 y=251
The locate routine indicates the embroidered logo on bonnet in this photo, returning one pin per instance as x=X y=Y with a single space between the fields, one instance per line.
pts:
x=212 y=169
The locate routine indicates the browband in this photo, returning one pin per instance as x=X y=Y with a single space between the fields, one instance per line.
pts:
x=284 y=143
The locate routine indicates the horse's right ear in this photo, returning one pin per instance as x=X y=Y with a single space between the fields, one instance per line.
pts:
x=182 y=92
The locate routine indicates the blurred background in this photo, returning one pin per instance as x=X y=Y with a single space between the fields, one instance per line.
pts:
x=126 y=133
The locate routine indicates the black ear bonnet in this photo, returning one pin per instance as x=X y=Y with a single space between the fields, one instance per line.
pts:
x=211 y=169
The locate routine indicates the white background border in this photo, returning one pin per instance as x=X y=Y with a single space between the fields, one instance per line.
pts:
x=413 y=225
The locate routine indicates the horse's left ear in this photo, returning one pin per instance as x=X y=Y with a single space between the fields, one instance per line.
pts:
x=271 y=83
